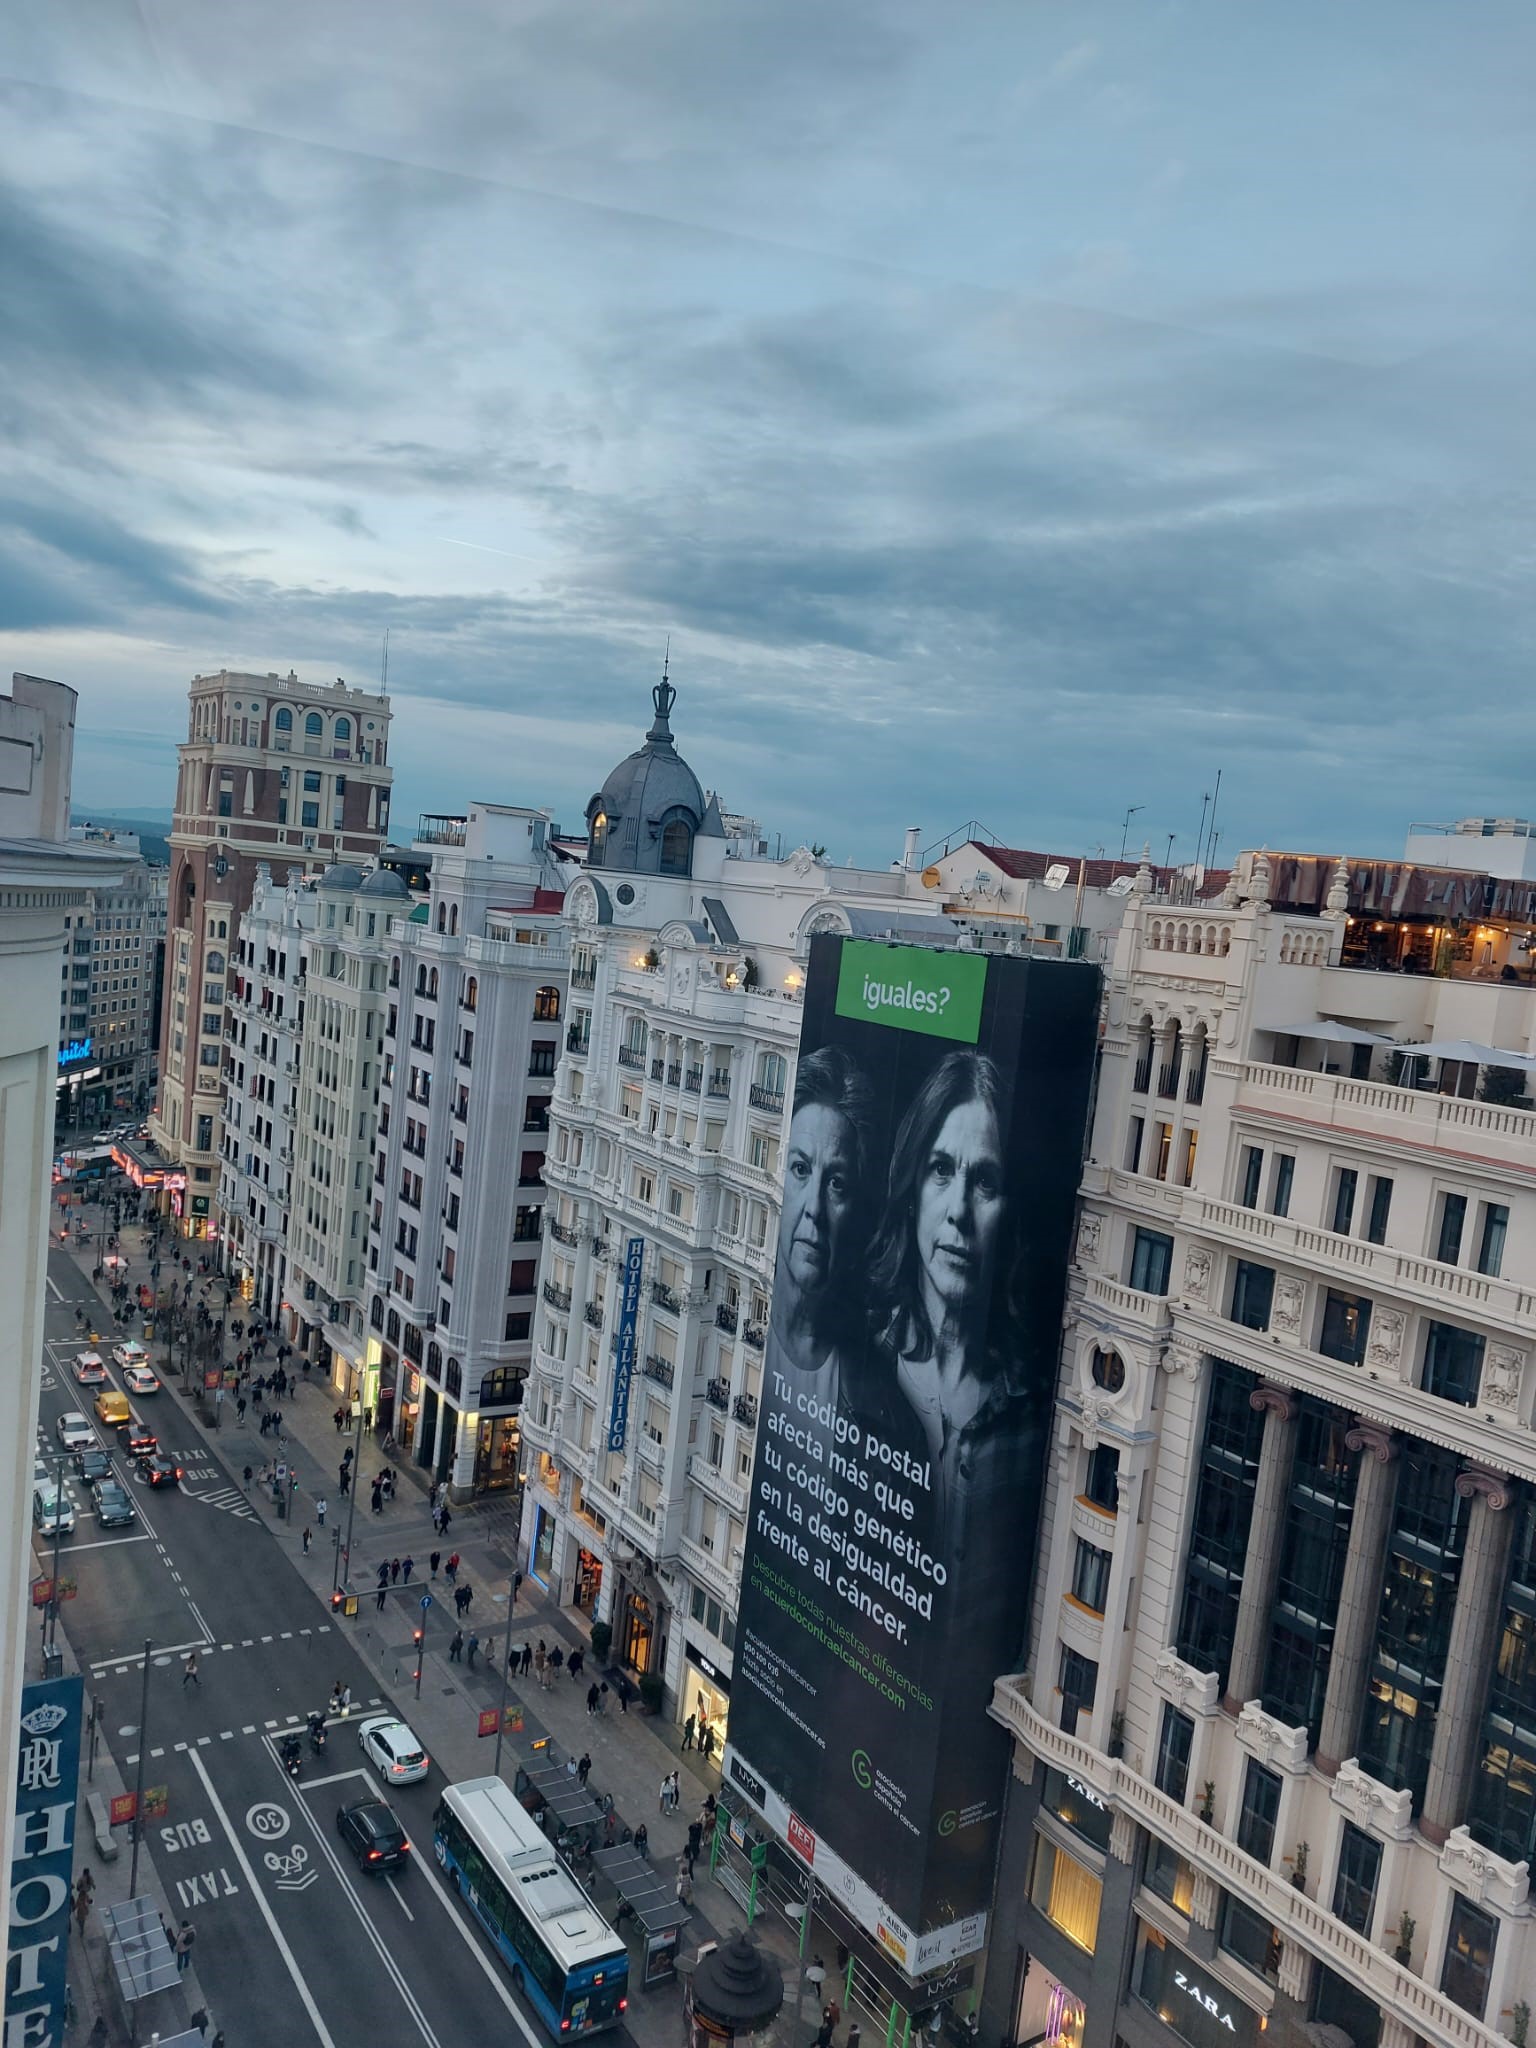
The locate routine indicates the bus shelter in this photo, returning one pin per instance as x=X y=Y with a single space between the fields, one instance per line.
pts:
x=653 y=1904
x=563 y=1796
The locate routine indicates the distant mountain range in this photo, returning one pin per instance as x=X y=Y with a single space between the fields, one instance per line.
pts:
x=153 y=828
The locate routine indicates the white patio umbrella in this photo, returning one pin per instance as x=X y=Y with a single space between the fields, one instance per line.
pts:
x=1469 y=1052
x=1329 y=1032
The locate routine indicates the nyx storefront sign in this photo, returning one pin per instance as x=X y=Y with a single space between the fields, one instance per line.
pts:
x=1077 y=1806
x=1188 y=1999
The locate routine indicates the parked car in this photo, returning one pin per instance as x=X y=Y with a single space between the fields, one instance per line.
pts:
x=392 y=1749
x=114 y=1510
x=373 y=1834
x=74 y=1432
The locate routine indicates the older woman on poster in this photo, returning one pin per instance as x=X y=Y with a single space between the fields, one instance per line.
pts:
x=822 y=1227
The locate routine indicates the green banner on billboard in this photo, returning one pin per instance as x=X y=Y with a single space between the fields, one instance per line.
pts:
x=913 y=989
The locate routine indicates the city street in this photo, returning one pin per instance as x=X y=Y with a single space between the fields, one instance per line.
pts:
x=284 y=1918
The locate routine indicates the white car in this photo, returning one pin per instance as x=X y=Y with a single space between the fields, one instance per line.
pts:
x=139 y=1379
x=89 y=1370
x=392 y=1749
x=75 y=1433
x=130 y=1353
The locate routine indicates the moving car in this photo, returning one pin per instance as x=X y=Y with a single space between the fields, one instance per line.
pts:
x=139 y=1379
x=392 y=1749
x=130 y=1352
x=159 y=1468
x=373 y=1834
x=52 y=1509
x=114 y=1510
x=135 y=1438
x=112 y=1407
x=74 y=1432
x=93 y=1464
x=89 y=1370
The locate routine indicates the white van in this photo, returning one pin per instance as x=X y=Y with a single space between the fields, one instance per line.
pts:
x=52 y=1508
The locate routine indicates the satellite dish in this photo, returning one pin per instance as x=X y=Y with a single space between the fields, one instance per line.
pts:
x=1056 y=874
x=931 y=878
x=1122 y=885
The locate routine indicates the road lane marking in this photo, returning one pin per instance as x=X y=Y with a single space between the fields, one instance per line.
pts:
x=322 y=2031
x=471 y=1940
x=57 y=1292
x=156 y=1650
x=336 y=1778
x=106 y=1543
x=400 y=1902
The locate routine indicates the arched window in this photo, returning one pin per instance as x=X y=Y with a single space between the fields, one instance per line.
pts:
x=421 y=978
x=314 y=725
x=453 y=920
x=213 y=962
x=599 y=837
x=453 y=1380
x=471 y=993
x=343 y=731
x=676 y=847
x=442 y=917
x=283 y=722
x=546 y=1005
x=432 y=985
x=392 y=1327
x=376 y=1313
x=434 y=1362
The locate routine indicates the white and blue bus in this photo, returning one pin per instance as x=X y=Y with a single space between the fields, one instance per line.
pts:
x=563 y=1955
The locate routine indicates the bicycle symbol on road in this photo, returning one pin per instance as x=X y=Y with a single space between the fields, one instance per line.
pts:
x=268 y=1821
x=292 y=1876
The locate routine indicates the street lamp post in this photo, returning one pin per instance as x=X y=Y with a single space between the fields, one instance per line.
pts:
x=506 y=1676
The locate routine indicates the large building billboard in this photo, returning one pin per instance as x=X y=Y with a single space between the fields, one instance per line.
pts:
x=930 y=1171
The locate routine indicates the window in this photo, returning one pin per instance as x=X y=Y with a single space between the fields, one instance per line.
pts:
x=1453 y=1363
x=1151 y=1262
x=1079 y=1683
x=314 y=725
x=283 y=722
x=342 y=731
x=1133 y=1143
x=541 y=1058
x=1228 y=1473
x=1453 y=1217
x=1162 y=1149
x=676 y=846
x=1101 y=1485
x=1503 y=1811
x=1314 y=1543
x=1380 y=1209
x=1090 y=1575
x=518 y=1324
x=1468 y=1956
x=1191 y=1146
x=1108 y=1370
x=1067 y=1893
x=1346 y=1182
x=1249 y=1936
x=1354 y=1889
x=1259 y=1812
x=1346 y=1327
x=1490 y=1242
x=1285 y=1174
x=1253 y=1173
x=1253 y=1292
x=546 y=1005
x=1078 y=1808
x=1174 y=1744
x=311 y=782
x=1168 y=1875
x=309 y=814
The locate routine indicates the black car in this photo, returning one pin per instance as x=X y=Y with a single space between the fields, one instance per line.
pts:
x=93 y=1465
x=114 y=1510
x=159 y=1469
x=136 y=1439
x=373 y=1834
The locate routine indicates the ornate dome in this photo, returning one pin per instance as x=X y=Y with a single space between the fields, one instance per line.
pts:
x=646 y=815
x=385 y=882
x=342 y=876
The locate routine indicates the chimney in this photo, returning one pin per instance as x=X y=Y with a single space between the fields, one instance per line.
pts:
x=909 y=855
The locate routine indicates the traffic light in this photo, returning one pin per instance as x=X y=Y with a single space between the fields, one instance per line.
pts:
x=416 y=1637
x=336 y=1601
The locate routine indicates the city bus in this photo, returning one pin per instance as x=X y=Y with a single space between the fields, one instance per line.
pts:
x=564 y=1957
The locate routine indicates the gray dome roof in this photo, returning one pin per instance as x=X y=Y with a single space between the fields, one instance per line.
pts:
x=385 y=882
x=342 y=876
x=650 y=788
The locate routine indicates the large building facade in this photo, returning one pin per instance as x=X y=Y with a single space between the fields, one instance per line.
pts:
x=272 y=770
x=476 y=1004
x=44 y=880
x=688 y=955
x=264 y=1016
x=1275 y=1754
x=111 y=981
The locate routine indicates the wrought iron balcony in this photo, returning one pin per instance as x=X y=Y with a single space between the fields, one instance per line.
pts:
x=666 y=1297
x=725 y=1317
x=557 y=1297
x=658 y=1369
x=744 y=1408
x=718 y=1395
x=756 y=1335
x=592 y=1315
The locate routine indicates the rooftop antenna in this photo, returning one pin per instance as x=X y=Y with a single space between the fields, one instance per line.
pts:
x=384 y=677
x=1210 y=849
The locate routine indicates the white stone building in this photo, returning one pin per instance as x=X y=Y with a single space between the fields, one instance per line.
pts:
x=109 y=987
x=475 y=1006
x=1276 y=1751
x=688 y=958
x=343 y=1014
x=263 y=1011
x=44 y=878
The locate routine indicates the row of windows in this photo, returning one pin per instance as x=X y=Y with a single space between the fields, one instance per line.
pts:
x=1361 y=1203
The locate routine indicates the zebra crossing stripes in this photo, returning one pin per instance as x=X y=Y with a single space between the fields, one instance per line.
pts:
x=229 y=1499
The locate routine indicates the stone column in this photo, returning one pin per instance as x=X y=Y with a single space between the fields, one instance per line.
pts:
x=1359 y=1595
x=1261 y=1566
x=1479 y=1589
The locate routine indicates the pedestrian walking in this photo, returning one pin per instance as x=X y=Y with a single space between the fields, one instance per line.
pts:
x=517 y=1586
x=469 y=1593
x=320 y=1510
x=695 y=1839
x=306 y=1542
x=456 y=1647
x=445 y=1516
x=82 y=1899
x=591 y=1699
x=573 y=1663
x=451 y=1569
x=527 y=1659
x=584 y=1768
x=382 y=1574
x=708 y=1743
x=189 y=1673
x=240 y=1405
x=688 y=1727
x=407 y=1566
x=685 y=1886
x=541 y=1665
x=248 y=1478
x=474 y=1646
x=664 y=1795
x=642 y=1840
x=556 y=1661
x=394 y=1571
x=344 y=1480
x=383 y=1593
x=602 y=1697
x=434 y=1561
x=378 y=1498
x=185 y=1937
x=621 y=1687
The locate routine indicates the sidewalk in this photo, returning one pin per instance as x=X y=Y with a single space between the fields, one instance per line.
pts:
x=631 y=1752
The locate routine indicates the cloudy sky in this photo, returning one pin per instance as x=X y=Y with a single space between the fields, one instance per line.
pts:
x=1011 y=411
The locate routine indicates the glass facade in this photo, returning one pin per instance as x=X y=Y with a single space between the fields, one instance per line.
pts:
x=1173 y=1747
x=1413 y=1626
x=1314 y=1540
x=1468 y=1965
x=1067 y=1893
x=1346 y=1327
x=1188 y=1998
x=1151 y=1262
x=1218 y=1544
x=1503 y=1816
x=1253 y=1294
x=1354 y=1888
x=1453 y=1362
x=1260 y=1811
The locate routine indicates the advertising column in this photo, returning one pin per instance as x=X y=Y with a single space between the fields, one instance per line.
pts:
x=931 y=1168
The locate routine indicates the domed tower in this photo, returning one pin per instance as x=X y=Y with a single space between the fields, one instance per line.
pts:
x=644 y=819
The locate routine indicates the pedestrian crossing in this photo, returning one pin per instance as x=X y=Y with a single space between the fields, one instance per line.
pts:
x=122 y=1667
x=229 y=1499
